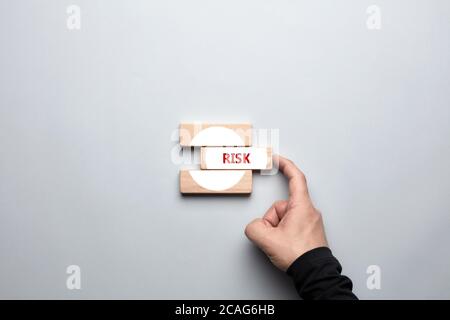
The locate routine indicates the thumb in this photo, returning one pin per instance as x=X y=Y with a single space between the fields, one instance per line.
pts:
x=258 y=232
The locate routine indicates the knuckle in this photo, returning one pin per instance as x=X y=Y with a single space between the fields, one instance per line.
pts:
x=249 y=229
x=302 y=176
x=316 y=216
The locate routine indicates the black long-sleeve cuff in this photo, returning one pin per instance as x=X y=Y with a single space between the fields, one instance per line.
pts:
x=317 y=275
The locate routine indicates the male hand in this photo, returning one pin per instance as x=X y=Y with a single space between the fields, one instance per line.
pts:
x=290 y=227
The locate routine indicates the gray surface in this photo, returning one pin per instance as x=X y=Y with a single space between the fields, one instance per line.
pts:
x=86 y=119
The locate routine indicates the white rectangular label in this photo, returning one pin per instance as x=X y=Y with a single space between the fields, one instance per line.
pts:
x=250 y=158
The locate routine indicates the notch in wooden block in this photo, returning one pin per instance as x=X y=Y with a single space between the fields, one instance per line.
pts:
x=216 y=181
x=207 y=134
x=236 y=158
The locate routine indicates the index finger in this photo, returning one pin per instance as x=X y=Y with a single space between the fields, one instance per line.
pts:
x=298 y=189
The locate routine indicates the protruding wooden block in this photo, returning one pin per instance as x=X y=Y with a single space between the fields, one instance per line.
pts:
x=236 y=158
x=216 y=181
x=215 y=135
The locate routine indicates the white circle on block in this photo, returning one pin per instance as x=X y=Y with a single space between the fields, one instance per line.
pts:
x=219 y=180
x=217 y=136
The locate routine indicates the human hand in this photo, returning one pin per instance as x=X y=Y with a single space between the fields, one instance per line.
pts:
x=290 y=227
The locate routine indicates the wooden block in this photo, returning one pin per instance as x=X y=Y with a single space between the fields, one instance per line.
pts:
x=215 y=181
x=215 y=135
x=236 y=158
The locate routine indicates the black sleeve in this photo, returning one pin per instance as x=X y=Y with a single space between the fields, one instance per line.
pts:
x=317 y=275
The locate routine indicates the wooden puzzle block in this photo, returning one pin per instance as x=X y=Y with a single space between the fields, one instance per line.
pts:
x=236 y=158
x=216 y=135
x=215 y=181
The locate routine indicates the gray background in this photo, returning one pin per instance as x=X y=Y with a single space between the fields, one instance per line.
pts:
x=86 y=119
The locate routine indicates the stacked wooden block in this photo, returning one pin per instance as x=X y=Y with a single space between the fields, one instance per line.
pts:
x=227 y=158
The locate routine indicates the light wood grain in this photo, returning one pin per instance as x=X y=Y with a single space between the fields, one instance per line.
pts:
x=189 y=186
